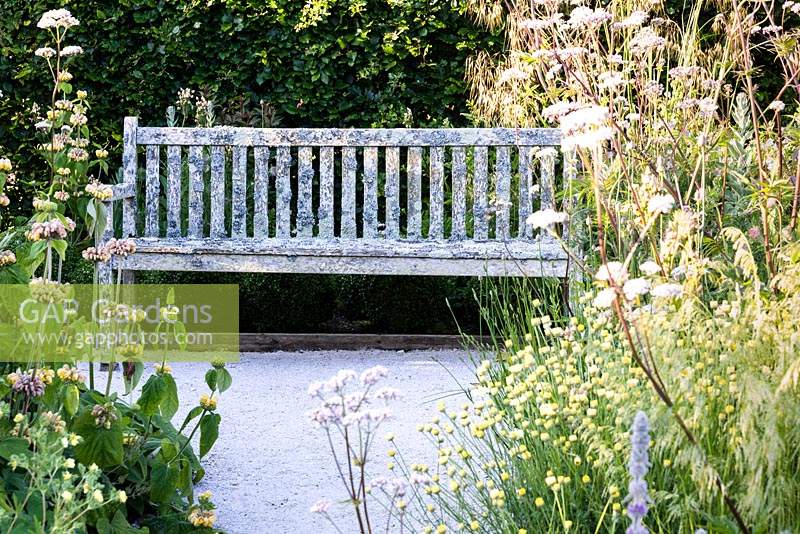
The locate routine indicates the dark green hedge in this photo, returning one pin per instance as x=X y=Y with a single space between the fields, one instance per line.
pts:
x=362 y=68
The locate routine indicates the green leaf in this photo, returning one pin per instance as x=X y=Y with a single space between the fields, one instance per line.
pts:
x=211 y=379
x=194 y=412
x=164 y=479
x=209 y=432
x=153 y=393
x=60 y=246
x=224 y=379
x=168 y=450
x=131 y=383
x=118 y=525
x=37 y=249
x=99 y=446
x=71 y=399
x=11 y=446
x=170 y=403
x=185 y=477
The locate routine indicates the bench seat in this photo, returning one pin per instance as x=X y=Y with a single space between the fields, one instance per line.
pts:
x=538 y=257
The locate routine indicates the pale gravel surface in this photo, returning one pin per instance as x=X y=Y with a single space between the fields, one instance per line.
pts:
x=270 y=464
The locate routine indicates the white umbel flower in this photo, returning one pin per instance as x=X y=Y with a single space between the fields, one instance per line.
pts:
x=635 y=287
x=660 y=204
x=587 y=127
x=545 y=218
x=667 y=290
x=650 y=268
x=45 y=52
x=612 y=270
x=71 y=50
x=57 y=18
x=605 y=298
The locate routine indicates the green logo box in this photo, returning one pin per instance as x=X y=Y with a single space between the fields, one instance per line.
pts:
x=50 y=322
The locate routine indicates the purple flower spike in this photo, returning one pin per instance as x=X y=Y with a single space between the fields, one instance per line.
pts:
x=638 y=499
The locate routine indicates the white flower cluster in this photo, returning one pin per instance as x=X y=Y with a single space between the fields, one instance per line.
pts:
x=545 y=218
x=587 y=127
x=57 y=18
x=340 y=408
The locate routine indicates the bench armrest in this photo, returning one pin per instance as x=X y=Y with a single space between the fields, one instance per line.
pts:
x=122 y=191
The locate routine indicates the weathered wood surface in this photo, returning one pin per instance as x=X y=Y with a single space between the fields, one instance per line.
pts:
x=459 y=201
x=355 y=137
x=261 y=192
x=480 y=187
x=370 y=192
x=239 y=192
x=503 y=193
x=217 y=191
x=392 y=192
x=356 y=247
x=436 y=228
x=381 y=247
x=326 y=192
x=547 y=160
x=349 y=167
x=525 y=189
x=130 y=161
x=196 y=186
x=414 y=190
x=283 y=192
x=361 y=265
x=174 y=176
x=123 y=190
x=305 y=177
x=152 y=191
x=350 y=256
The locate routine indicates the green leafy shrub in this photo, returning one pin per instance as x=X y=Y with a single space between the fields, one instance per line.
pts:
x=72 y=456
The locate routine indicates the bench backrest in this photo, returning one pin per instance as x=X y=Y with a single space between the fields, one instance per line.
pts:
x=467 y=184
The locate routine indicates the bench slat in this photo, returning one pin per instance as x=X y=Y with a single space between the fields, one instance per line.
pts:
x=370 y=192
x=352 y=256
x=525 y=183
x=548 y=174
x=459 y=230
x=348 y=137
x=153 y=191
x=174 y=191
x=349 y=167
x=196 y=185
x=261 y=191
x=436 y=230
x=283 y=192
x=239 y=192
x=305 y=180
x=503 y=193
x=391 y=192
x=130 y=162
x=480 y=181
x=326 y=192
x=217 y=191
x=414 y=185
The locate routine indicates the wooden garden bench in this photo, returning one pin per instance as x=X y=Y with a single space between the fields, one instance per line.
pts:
x=339 y=201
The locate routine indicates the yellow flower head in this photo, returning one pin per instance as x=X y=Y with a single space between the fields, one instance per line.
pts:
x=209 y=403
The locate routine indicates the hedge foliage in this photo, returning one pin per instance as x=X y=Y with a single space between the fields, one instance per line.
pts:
x=366 y=63
x=359 y=66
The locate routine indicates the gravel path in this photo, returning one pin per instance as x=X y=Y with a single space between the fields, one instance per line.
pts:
x=270 y=464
